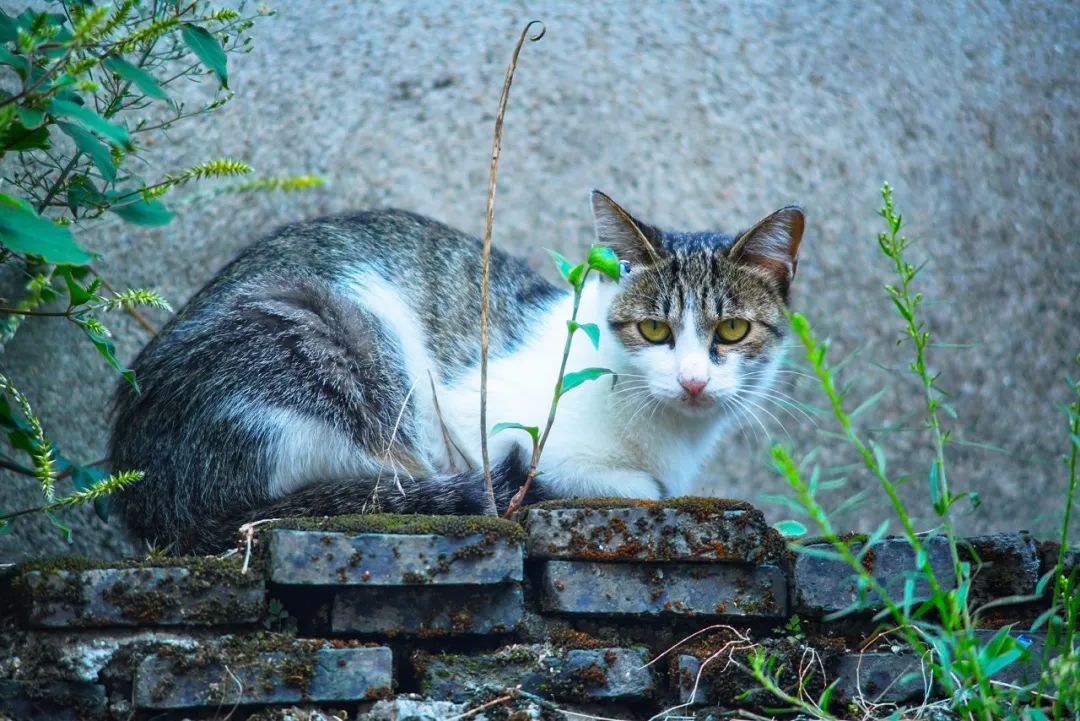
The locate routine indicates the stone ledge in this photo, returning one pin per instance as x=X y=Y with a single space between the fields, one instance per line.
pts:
x=428 y=611
x=380 y=559
x=299 y=674
x=663 y=589
x=144 y=596
x=685 y=529
x=571 y=675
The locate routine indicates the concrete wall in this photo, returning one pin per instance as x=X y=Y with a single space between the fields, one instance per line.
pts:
x=694 y=115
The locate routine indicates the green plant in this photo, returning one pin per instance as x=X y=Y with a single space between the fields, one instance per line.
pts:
x=602 y=260
x=941 y=625
x=88 y=87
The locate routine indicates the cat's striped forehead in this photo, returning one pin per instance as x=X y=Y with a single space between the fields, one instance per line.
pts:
x=695 y=274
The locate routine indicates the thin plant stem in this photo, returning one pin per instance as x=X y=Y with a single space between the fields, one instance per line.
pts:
x=538 y=446
x=485 y=282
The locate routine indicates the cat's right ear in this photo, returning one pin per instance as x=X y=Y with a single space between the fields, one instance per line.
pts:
x=632 y=240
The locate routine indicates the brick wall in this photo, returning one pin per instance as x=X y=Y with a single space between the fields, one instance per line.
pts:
x=578 y=607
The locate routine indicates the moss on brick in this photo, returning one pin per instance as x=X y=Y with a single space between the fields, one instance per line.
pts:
x=701 y=507
x=407 y=524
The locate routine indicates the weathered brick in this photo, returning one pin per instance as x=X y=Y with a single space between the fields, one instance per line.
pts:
x=886 y=678
x=83 y=655
x=382 y=559
x=1008 y=565
x=51 y=701
x=571 y=675
x=143 y=596
x=427 y=611
x=824 y=586
x=691 y=530
x=174 y=681
x=692 y=690
x=1048 y=557
x=663 y=589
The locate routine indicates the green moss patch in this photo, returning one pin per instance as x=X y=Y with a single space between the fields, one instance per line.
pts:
x=699 y=506
x=407 y=524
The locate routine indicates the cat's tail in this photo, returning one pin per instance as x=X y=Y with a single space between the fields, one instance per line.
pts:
x=441 y=494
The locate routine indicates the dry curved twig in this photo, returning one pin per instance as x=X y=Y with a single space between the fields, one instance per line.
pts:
x=485 y=287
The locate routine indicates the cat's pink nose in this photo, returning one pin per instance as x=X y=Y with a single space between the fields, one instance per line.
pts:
x=693 y=386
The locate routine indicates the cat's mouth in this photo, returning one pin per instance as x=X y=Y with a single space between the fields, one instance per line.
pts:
x=699 y=404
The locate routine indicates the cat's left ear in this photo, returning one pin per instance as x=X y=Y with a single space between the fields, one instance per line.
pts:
x=773 y=244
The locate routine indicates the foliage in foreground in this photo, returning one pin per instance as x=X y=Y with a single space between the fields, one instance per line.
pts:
x=87 y=89
x=940 y=626
x=604 y=261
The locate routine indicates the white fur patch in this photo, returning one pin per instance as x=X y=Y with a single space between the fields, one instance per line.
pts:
x=303 y=449
x=309 y=449
x=381 y=298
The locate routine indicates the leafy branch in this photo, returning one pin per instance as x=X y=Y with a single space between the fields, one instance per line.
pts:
x=88 y=87
x=602 y=260
x=101 y=489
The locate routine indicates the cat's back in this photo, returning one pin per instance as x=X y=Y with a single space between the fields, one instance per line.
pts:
x=336 y=269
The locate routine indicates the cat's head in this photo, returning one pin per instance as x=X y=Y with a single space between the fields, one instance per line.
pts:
x=699 y=316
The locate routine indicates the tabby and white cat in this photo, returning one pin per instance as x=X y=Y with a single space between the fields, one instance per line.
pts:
x=334 y=368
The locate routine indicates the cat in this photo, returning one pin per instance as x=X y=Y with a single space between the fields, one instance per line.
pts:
x=333 y=367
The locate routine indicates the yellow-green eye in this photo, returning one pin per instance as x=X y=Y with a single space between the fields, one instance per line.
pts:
x=654 y=331
x=732 y=330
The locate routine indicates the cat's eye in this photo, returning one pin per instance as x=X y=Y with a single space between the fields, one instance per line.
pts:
x=654 y=331
x=732 y=330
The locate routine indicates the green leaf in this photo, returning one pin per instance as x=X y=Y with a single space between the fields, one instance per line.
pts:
x=935 y=491
x=207 y=49
x=77 y=293
x=138 y=210
x=138 y=77
x=107 y=349
x=82 y=193
x=65 y=531
x=18 y=137
x=790 y=528
x=604 y=260
x=8 y=28
x=998 y=663
x=531 y=430
x=590 y=329
x=1043 y=618
x=24 y=231
x=115 y=134
x=99 y=153
x=573 y=380
x=562 y=264
x=879 y=456
x=868 y=403
x=30 y=117
x=16 y=61
x=577 y=276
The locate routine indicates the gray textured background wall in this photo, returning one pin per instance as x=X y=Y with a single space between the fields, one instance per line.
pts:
x=695 y=115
